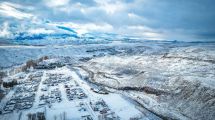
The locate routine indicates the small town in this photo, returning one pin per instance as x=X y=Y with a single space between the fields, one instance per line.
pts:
x=52 y=93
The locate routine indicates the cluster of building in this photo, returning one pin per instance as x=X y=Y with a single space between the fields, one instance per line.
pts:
x=50 y=92
x=75 y=93
x=86 y=117
x=100 y=90
x=48 y=65
x=83 y=108
x=50 y=97
x=22 y=102
x=27 y=87
x=55 y=79
x=102 y=110
x=24 y=94
x=36 y=116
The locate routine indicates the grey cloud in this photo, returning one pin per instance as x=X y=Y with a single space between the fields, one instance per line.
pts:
x=188 y=14
x=183 y=17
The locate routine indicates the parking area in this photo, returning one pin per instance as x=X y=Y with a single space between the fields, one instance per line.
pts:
x=50 y=97
x=60 y=94
x=102 y=110
x=55 y=79
x=75 y=93
x=24 y=94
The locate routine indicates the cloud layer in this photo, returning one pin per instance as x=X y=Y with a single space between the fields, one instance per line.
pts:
x=150 y=19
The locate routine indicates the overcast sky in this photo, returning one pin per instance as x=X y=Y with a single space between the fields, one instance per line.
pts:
x=151 y=19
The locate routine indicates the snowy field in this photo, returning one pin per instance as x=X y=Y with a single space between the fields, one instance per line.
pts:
x=141 y=80
x=119 y=107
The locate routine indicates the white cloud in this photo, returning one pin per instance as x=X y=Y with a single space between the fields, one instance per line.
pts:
x=56 y=3
x=9 y=9
x=91 y=27
x=153 y=36
x=40 y=30
x=143 y=32
x=82 y=28
x=4 y=30
x=110 y=7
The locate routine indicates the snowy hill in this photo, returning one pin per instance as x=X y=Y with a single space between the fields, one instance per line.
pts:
x=166 y=77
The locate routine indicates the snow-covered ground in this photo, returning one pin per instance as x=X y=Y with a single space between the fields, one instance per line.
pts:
x=71 y=109
x=171 y=80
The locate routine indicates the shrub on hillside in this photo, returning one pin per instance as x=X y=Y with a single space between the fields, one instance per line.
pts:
x=31 y=63
x=9 y=84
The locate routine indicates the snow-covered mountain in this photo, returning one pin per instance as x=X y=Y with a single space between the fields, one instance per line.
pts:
x=47 y=33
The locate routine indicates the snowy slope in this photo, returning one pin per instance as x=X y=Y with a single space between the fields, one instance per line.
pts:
x=173 y=80
x=177 y=83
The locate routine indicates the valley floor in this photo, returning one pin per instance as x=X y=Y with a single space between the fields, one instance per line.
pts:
x=67 y=107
